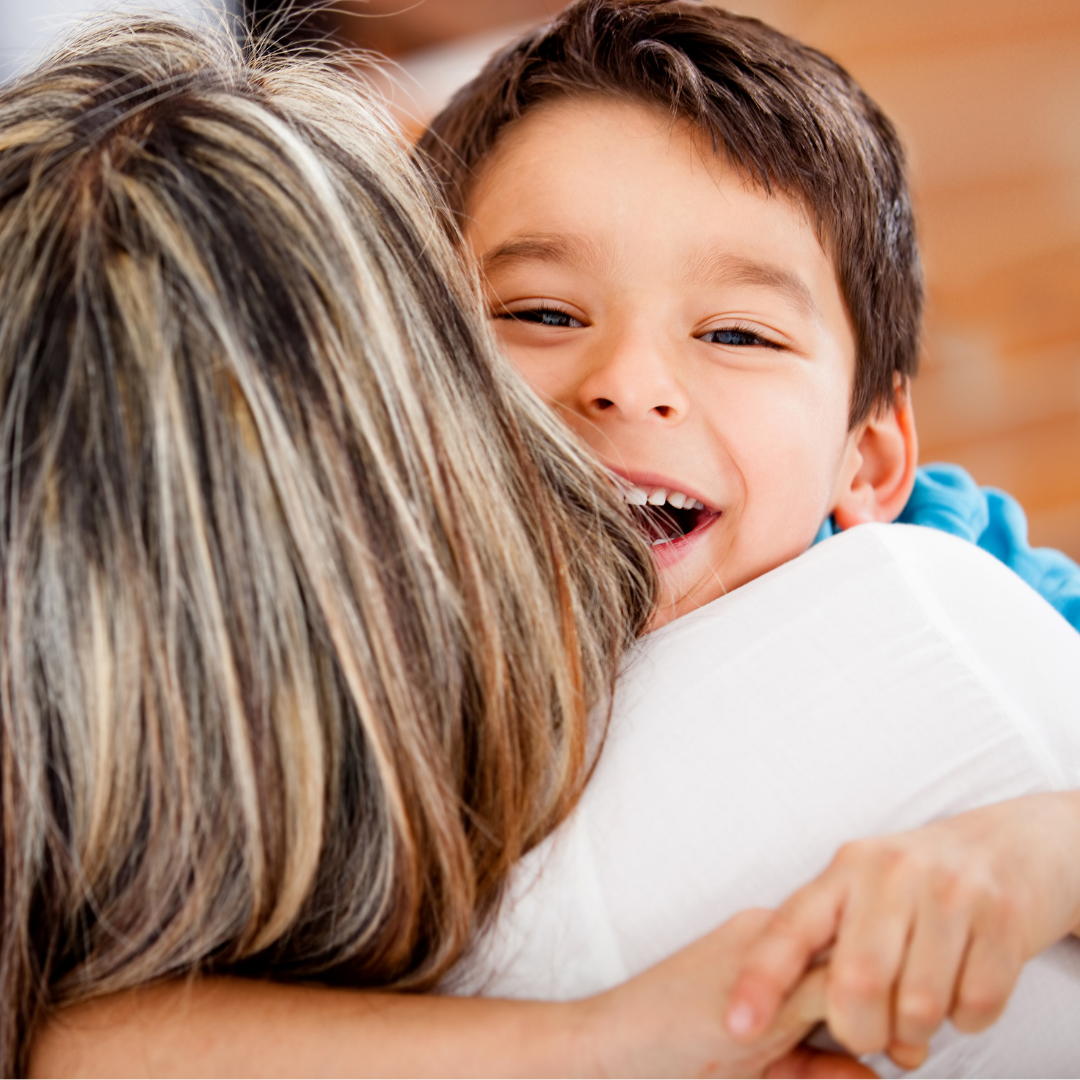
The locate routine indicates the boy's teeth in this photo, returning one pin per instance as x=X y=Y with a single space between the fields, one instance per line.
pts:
x=639 y=496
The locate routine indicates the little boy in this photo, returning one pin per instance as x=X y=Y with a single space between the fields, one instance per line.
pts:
x=697 y=242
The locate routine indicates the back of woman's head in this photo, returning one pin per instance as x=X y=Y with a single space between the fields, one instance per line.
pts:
x=303 y=599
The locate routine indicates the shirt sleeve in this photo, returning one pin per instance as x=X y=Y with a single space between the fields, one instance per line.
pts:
x=946 y=498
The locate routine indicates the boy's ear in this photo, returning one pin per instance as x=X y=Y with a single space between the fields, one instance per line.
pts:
x=879 y=473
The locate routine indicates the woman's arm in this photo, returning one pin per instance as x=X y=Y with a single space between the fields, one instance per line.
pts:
x=239 y=1027
x=667 y=1021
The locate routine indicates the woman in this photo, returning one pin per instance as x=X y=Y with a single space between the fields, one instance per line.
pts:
x=306 y=601
x=305 y=605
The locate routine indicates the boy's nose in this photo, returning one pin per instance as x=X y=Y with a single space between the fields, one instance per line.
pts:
x=633 y=381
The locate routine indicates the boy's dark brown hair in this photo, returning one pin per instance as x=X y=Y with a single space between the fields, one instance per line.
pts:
x=784 y=114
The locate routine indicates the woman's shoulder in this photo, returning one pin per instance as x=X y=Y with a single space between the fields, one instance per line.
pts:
x=946 y=578
x=900 y=616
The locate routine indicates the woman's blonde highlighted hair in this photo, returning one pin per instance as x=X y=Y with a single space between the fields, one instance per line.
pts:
x=304 y=599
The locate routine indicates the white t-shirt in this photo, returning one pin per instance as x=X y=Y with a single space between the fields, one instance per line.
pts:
x=890 y=676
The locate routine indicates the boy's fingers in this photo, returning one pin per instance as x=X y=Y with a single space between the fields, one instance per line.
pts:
x=990 y=972
x=806 y=1006
x=797 y=932
x=907 y=1056
x=865 y=963
x=801 y=1013
x=929 y=981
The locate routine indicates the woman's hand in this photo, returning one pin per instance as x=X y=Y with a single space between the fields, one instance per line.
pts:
x=923 y=925
x=669 y=1020
x=666 y=1021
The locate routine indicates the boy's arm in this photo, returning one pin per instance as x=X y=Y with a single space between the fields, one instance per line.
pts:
x=923 y=925
x=666 y=1021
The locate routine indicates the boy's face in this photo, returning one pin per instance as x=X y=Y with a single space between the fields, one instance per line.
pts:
x=689 y=327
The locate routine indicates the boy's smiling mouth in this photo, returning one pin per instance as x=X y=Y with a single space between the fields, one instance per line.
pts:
x=671 y=518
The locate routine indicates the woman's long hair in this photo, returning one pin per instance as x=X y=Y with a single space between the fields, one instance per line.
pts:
x=304 y=599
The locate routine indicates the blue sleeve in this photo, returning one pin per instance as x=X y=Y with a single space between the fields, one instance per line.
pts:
x=945 y=497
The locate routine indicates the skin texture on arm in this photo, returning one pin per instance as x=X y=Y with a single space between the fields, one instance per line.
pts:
x=667 y=1021
x=238 y=1027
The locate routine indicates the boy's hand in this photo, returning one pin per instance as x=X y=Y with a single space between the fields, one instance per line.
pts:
x=922 y=925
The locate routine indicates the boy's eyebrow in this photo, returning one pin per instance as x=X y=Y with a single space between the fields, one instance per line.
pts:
x=723 y=266
x=539 y=247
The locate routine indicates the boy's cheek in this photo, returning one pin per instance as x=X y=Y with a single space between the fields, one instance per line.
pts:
x=784 y=499
x=549 y=369
x=790 y=451
x=787 y=506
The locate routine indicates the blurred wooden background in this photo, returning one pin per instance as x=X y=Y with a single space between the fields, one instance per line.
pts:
x=986 y=94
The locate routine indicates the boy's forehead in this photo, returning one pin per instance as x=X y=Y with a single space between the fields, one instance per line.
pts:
x=589 y=122
x=581 y=181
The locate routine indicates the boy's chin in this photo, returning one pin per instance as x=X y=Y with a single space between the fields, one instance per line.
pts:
x=677 y=599
x=685 y=587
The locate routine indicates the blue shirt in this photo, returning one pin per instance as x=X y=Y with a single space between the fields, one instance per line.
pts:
x=945 y=497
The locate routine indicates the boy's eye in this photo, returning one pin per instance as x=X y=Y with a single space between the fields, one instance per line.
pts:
x=541 y=317
x=734 y=335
